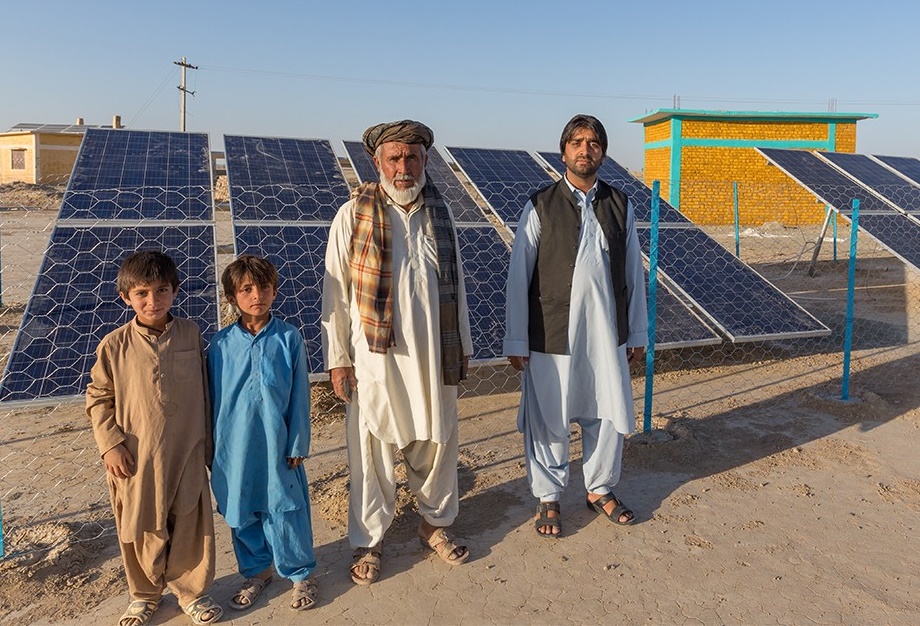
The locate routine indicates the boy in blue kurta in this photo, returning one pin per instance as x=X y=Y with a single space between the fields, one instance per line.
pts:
x=261 y=411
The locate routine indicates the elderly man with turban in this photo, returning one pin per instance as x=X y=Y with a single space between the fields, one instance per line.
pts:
x=396 y=342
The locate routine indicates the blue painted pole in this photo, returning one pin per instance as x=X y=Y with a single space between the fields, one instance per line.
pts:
x=851 y=290
x=737 y=240
x=652 y=309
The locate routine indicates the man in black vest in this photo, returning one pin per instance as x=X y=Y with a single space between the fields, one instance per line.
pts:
x=575 y=319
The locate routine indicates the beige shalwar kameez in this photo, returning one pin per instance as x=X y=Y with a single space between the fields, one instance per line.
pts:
x=148 y=392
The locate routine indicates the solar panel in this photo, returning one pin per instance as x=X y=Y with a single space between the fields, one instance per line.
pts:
x=75 y=302
x=827 y=183
x=618 y=176
x=897 y=232
x=298 y=251
x=505 y=178
x=879 y=178
x=740 y=302
x=362 y=162
x=907 y=166
x=140 y=175
x=485 y=267
x=461 y=204
x=283 y=179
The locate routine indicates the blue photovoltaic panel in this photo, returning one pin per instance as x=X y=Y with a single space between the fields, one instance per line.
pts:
x=505 y=178
x=676 y=326
x=362 y=162
x=485 y=268
x=908 y=166
x=618 y=176
x=737 y=299
x=461 y=204
x=879 y=178
x=75 y=302
x=298 y=251
x=824 y=181
x=895 y=231
x=140 y=175
x=283 y=179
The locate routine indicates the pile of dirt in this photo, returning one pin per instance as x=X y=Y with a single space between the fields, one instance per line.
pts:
x=25 y=197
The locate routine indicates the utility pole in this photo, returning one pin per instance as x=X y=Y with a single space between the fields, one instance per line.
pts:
x=184 y=65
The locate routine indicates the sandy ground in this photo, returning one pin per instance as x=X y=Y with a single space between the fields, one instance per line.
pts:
x=761 y=496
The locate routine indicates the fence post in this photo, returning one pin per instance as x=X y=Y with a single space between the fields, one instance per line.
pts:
x=652 y=309
x=851 y=288
x=737 y=241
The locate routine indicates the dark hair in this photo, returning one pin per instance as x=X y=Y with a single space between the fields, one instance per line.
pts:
x=145 y=267
x=579 y=122
x=260 y=270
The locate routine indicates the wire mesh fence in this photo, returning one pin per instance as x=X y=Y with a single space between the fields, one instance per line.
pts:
x=52 y=486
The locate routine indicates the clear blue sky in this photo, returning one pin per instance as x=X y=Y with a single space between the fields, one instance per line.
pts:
x=499 y=73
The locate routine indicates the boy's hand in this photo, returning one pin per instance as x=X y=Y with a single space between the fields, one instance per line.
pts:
x=294 y=461
x=344 y=382
x=119 y=462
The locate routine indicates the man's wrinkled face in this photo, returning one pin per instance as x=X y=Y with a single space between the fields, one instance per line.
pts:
x=402 y=170
x=583 y=153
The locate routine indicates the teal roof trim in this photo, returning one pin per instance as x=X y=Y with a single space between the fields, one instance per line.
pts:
x=659 y=115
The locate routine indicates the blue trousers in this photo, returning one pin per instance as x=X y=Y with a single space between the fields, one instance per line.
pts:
x=547 y=458
x=285 y=539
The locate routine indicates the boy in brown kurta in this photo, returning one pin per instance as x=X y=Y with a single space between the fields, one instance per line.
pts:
x=148 y=404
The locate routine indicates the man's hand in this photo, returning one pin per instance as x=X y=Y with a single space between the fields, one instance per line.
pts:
x=119 y=462
x=344 y=382
x=634 y=355
x=294 y=461
x=519 y=362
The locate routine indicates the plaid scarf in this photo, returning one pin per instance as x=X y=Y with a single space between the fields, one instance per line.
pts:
x=372 y=274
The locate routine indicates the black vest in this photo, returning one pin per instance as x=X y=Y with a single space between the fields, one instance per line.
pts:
x=551 y=285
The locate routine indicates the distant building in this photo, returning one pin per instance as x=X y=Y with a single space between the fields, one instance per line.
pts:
x=698 y=156
x=42 y=153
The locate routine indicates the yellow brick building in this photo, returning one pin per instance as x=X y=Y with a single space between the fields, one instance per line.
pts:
x=699 y=156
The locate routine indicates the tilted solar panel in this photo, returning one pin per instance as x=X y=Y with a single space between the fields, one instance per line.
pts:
x=461 y=204
x=140 y=175
x=824 y=181
x=738 y=300
x=485 y=267
x=872 y=174
x=283 y=179
x=618 y=176
x=75 y=302
x=907 y=166
x=505 y=178
x=298 y=251
x=362 y=162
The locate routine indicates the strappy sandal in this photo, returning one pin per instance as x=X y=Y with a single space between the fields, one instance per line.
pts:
x=369 y=557
x=139 y=613
x=543 y=519
x=444 y=546
x=304 y=595
x=249 y=592
x=204 y=610
x=619 y=510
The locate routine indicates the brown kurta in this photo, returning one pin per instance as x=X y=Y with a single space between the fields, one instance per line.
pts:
x=149 y=393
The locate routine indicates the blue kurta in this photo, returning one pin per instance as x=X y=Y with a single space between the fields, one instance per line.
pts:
x=261 y=410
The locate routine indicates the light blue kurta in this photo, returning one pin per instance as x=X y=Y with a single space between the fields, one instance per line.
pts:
x=592 y=380
x=261 y=410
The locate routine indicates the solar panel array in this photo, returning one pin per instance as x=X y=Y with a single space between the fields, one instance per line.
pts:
x=906 y=166
x=283 y=179
x=137 y=175
x=361 y=162
x=879 y=178
x=485 y=267
x=75 y=300
x=505 y=178
x=893 y=228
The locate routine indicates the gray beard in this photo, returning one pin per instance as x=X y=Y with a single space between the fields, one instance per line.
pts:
x=403 y=197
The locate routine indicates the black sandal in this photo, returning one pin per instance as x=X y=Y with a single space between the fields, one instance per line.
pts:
x=618 y=511
x=544 y=519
